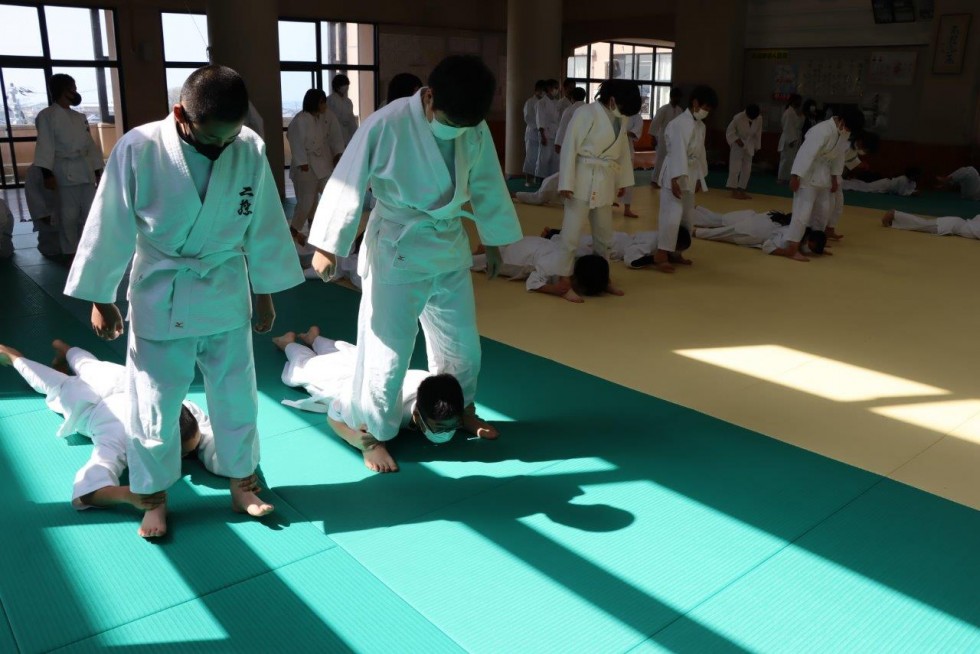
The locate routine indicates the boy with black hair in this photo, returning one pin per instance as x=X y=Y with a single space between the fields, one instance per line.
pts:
x=425 y=158
x=682 y=175
x=192 y=196
x=567 y=96
x=432 y=404
x=744 y=135
x=747 y=228
x=94 y=404
x=342 y=106
x=816 y=174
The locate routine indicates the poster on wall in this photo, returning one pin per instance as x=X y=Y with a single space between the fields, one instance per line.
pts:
x=892 y=68
x=876 y=107
x=951 y=43
x=784 y=82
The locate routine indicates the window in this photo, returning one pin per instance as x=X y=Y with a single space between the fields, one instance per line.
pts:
x=649 y=65
x=185 y=49
x=37 y=42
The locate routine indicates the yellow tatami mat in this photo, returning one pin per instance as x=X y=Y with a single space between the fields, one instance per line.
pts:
x=868 y=356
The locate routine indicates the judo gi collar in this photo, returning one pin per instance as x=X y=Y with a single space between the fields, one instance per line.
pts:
x=210 y=151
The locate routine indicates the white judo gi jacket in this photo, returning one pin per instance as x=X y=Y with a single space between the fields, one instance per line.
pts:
x=547 y=118
x=314 y=141
x=821 y=156
x=193 y=259
x=792 y=124
x=65 y=146
x=595 y=161
x=748 y=131
x=414 y=231
x=343 y=108
x=658 y=125
x=566 y=118
x=685 y=156
x=531 y=119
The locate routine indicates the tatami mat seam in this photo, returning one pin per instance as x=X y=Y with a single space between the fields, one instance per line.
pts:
x=10 y=626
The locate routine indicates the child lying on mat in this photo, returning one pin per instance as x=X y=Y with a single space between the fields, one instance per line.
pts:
x=636 y=250
x=539 y=261
x=431 y=404
x=95 y=404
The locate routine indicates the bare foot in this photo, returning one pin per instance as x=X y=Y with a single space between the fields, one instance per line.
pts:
x=630 y=214
x=282 y=341
x=545 y=232
x=60 y=361
x=245 y=500
x=798 y=257
x=572 y=296
x=379 y=460
x=833 y=235
x=154 y=524
x=677 y=258
x=746 y=196
x=614 y=290
x=888 y=218
x=310 y=335
x=477 y=426
x=8 y=355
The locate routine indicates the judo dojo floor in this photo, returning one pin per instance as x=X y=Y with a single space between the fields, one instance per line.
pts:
x=750 y=455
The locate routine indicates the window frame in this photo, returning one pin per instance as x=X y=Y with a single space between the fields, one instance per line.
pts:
x=652 y=82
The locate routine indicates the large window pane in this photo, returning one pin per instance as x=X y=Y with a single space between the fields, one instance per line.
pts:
x=98 y=92
x=644 y=67
x=72 y=34
x=347 y=43
x=7 y=165
x=25 y=95
x=20 y=31
x=646 y=92
x=185 y=37
x=664 y=66
x=297 y=41
x=622 y=67
x=661 y=96
x=175 y=80
x=361 y=91
x=599 y=66
x=294 y=87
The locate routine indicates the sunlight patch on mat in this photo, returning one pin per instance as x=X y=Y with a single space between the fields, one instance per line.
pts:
x=513 y=467
x=816 y=375
x=951 y=418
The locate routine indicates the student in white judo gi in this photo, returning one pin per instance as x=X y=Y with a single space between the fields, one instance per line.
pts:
x=546 y=118
x=903 y=185
x=744 y=135
x=532 y=138
x=682 y=174
x=643 y=246
x=316 y=142
x=431 y=404
x=634 y=132
x=866 y=143
x=596 y=167
x=68 y=158
x=6 y=231
x=586 y=245
x=193 y=197
x=95 y=404
x=658 y=125
x=547 y=193
x=790 y=138
x=816 y=173
x=567 y=96
x=968 y=180
x=943 y=226
x=538 y=261
x=342 y=106
x=578 y=97
x=424 y=157
x=752 y=229
x=402 y=85
x=42 y=204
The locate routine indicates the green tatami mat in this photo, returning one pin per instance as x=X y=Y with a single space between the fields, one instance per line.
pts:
x=896 y=571
x=7 y=643
x=85 y=572
x=327 y=603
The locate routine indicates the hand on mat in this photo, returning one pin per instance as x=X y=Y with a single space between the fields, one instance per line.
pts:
x=565 y=194
x=494 y=261
x=265 y=314
x=324 y=263
x=107 y=322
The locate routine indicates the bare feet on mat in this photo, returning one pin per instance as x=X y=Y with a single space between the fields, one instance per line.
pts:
x=888 y=218
x=282 y=341
x=245 y=500
x=310 y=335
x=154 y=524
x=630 y=214
x=572 y=296
x=379 y=460
x=614 y=290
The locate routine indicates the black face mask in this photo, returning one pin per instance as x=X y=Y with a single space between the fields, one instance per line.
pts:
x=212 y=152
x=75 y=99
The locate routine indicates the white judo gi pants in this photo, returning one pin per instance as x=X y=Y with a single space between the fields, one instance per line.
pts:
x=945 y=226
x=74 y=203
x=628 y=193
x=160 y=374
x=811 y=208
x=674 y=214
x=308 y=189
x=546 y=194
x=531 y=147
x=302 y=366
x=577 y=212
x=739 y=168
x=729 y=234
x=68 y=395
x=547 y=159
x=387 y=326
x=786 y=159
x=836 y=207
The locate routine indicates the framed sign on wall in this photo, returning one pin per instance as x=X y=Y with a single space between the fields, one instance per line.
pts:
x=951 y=36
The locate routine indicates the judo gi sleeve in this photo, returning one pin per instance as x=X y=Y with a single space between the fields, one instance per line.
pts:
x=109 y=239
x=496 y=218
x=676 y=149
x=272 y=262
x=805 y=156
x=296 y=135
x=578 y=128
x=335 y=135
x=44 y=148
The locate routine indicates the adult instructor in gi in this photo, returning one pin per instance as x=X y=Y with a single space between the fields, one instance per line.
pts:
x=424 y=157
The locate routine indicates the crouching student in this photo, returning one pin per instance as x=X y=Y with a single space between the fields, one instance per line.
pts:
x=430 y=404
x=95 y=404
x=944 y=226
x=539 y=263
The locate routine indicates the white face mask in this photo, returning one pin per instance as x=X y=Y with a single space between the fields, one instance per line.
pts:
x=700 y=114
x=616 y=112
x=437 y=438
x=445 y=132
x=343 y=89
